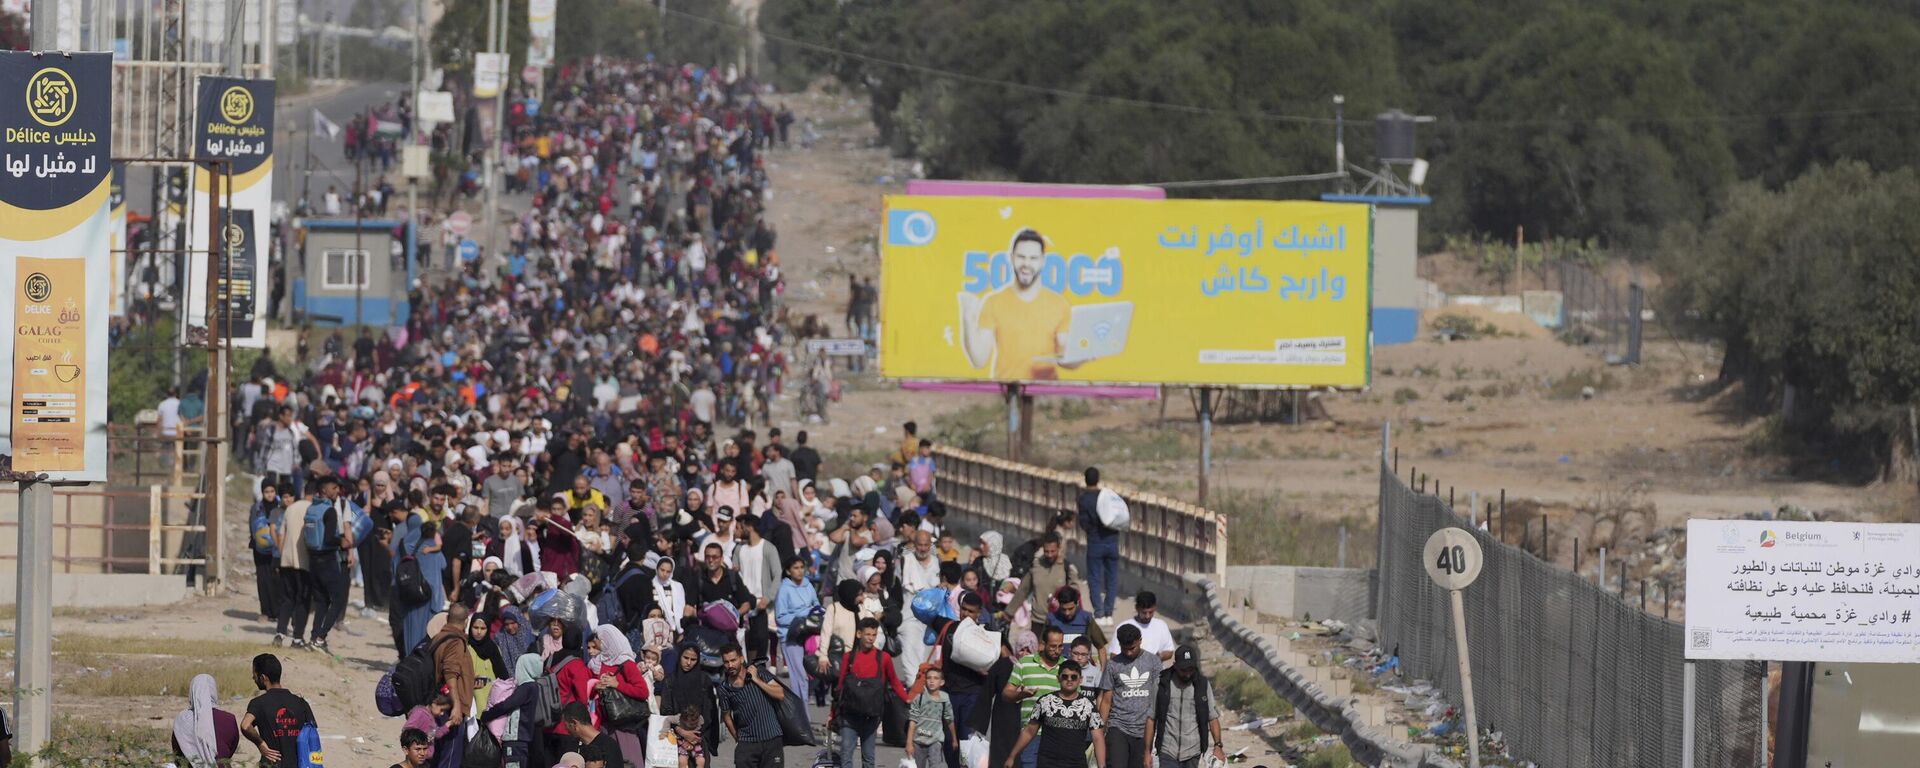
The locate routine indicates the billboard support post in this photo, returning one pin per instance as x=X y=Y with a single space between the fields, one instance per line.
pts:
x=1206 y=441
x=1026 y=422
x=1013 y=422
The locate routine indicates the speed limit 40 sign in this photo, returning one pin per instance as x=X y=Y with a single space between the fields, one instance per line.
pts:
x=1452 y=557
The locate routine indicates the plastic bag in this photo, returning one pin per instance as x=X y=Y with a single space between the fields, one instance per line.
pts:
x=973 y=752
x=662 y=750
x=1113 y=510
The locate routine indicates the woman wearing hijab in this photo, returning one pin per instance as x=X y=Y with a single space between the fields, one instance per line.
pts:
x=488 y=663
x=793 y=513
x=669 y=593
x=521 y=742
x=893 y=599
x=204 y=737
x=514 y=636
x=568 y=665
x=689 y=685
x=519 y=554
x=993 y=563
x=838 y=630
x=614 y=668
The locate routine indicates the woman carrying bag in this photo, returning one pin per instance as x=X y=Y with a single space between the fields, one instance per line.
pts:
x=620 y=689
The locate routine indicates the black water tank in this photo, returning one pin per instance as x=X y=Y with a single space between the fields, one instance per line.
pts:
x=1393 y=136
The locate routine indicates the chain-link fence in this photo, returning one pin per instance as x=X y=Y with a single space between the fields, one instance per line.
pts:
x=1571 y=674
x=1597 y=313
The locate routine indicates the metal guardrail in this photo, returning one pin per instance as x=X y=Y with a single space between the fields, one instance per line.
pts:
x=154 y=498
x=1170 y=539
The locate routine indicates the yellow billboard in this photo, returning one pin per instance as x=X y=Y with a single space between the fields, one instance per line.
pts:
x=1199 y=292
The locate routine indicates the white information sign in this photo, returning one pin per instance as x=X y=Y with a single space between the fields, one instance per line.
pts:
x=848 y=347
x=1794 y=591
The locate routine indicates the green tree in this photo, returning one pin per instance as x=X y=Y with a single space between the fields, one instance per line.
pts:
x=1815 y=291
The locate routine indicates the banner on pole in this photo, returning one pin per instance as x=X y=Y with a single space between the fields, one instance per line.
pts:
x=233 y=121
x=540 y=15
x=54 y=240
x=489 y=70
x=117 y=240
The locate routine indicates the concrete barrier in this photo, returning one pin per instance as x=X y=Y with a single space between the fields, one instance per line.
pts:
x=105 y=590
x=1310 y=689
x=1323 y=593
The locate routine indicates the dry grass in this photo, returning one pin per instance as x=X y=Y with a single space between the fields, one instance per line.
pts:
x=70 y=644
x=125 y=676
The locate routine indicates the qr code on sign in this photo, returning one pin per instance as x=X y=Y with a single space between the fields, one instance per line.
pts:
x=1702 y=639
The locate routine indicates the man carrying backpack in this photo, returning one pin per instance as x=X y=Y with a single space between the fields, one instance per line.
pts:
x=1184 y=722
x=263 y=523
x=866 y=680
x=328 y=535
x=296 y=581
x=276 y=718
x=1103 y=551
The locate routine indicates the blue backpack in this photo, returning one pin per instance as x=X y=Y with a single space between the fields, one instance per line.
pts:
x=309 y=746
x=314 y=534
x=260 y=529
x=608 y=606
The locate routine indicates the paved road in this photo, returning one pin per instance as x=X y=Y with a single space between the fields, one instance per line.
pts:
x=294 y=119
x=805 y=757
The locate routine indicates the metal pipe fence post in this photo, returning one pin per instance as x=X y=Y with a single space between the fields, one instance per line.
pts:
x=1343 y=546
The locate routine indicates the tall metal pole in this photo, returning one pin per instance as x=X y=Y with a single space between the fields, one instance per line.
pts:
x=496 y=25
x=360 y=266
x=33 y=585
x=219 y=312
x=413 y=126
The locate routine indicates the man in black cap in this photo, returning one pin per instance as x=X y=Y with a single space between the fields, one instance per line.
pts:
x=1184 y=723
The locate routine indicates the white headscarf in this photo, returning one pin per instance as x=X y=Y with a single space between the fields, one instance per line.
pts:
x=193 y=727
x=614 y=649
x=511 y=527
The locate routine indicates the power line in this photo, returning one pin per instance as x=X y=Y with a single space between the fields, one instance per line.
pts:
x=978 y=80
x=1361 y=124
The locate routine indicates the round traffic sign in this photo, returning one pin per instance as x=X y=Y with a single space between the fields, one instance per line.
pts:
x=1452 y=557
x=530 y=74
x=459 y=223
x=469 y=250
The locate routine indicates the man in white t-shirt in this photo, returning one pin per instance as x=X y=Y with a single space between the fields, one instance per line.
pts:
x=1155 y=637
x=702 y=401
x=170 y=413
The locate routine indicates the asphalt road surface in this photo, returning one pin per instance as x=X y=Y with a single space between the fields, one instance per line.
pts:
x=293 y=122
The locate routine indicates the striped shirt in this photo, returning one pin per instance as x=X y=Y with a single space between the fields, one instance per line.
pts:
x=1034 y=674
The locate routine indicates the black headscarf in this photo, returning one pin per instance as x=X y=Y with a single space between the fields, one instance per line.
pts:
x=847 y=594
x=488 y=649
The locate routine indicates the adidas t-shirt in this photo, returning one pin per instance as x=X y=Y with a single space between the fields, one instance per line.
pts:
x=1066 y=728
x=1132 y=682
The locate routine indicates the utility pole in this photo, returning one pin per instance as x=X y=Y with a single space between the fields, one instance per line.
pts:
x=33 y=583
x=413 y=125
x=496 y=32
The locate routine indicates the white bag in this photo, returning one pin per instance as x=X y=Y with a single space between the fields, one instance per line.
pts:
x=973 y=752
x=662 y=750
x=975 y=647
x=1113 y=510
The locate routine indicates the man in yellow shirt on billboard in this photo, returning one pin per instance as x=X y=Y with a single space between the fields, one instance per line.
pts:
x=1020 y=328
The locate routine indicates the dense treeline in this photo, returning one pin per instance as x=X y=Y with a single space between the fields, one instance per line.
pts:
x=1606 y=120
x=1764 y=149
